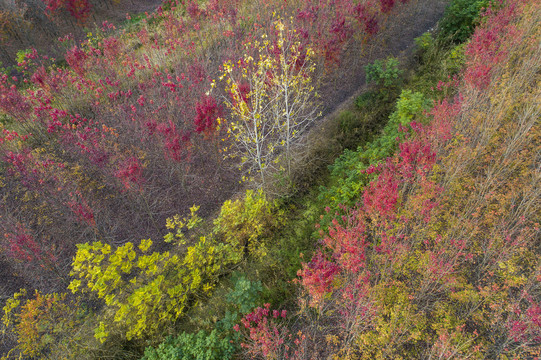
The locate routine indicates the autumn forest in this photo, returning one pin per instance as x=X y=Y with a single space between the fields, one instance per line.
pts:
x=270 y=179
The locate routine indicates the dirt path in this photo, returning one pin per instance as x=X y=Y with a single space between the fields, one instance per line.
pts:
x=396 y=40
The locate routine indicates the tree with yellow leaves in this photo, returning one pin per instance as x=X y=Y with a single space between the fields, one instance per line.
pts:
x=272 y=99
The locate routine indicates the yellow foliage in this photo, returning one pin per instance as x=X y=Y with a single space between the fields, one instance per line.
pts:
x=246 y=223
x=144 y=291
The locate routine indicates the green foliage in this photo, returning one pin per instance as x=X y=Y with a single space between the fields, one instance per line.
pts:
x=347 y=120
x=167 y=350
x=439 y=60
x=146 y=292
x=246 y=223
x=300 y=235
x=425 y=41
x=6 y=70
x=199 y=346
x=455 y=59
x=22 y=55
x=460 y=19
x=366 y=100
x=347 y=172
x=133 y=20
x=245 y=294
x=383 y=73
x=409 y=105
x=241 y=299
x=222 y=341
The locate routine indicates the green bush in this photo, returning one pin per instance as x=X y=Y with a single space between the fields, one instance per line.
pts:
x=460 y=19
x=222 y=341
x=409 y=105
x=199 y=346
x=245 y=294
x=347 y=120
x=425 y=41
x=5 y=119
x=366 y=100
x=383 y=73
x=437 y=60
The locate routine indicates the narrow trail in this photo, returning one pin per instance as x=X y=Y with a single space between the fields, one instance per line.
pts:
x=397 y=40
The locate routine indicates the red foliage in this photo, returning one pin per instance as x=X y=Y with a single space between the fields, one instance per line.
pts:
x=81 y=208
x=193 y=9
x=268 y=338
x=208 y=111
x=177 y=145
x=341 y=29
x=527 y=328
x=11 y=100
x=386 y=5
x=111 y=48
x=130 y=173
x=370 y=22
x=317 y=276
x=79 y=9
x=22 y=167
x=489 y=46
x=88 y=140
x=10 y=136
x=22 y=245
x=244 y=92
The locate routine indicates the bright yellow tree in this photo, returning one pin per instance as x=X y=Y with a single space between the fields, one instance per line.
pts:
x=272 y=99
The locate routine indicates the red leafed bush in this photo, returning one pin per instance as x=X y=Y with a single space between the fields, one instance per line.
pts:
x=317 y=277
x=11 y=100
x=208 y=111
x=79 y=9
x=267 y=337
x=22 y=245
x=365 y=17
x=130 y=173
x=81 y=208
x=527 y=328
x=176 y=145
x=386 y=5
x=490 y=46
